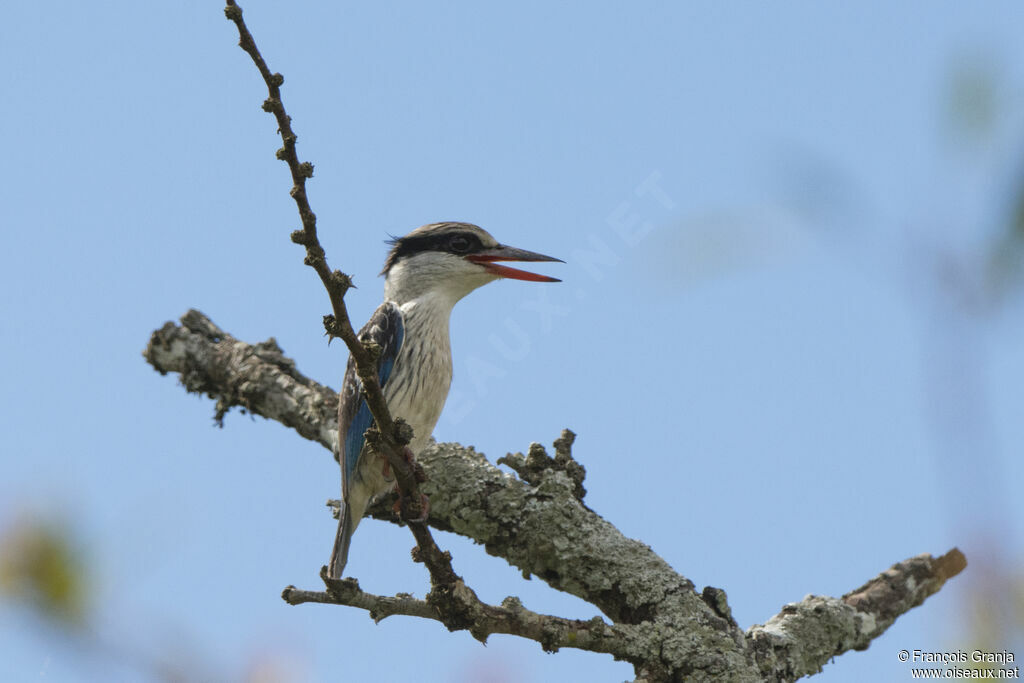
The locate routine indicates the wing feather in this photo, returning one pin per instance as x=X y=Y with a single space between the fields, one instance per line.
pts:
x=385 y=329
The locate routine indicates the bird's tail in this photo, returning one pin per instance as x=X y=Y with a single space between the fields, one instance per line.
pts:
x=347 y=523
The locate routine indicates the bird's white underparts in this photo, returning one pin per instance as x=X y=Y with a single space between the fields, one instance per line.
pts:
x=426 y=273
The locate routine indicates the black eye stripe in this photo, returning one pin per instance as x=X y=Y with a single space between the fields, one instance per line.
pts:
x=460 y=244
x=455 y=243
x=452 y=238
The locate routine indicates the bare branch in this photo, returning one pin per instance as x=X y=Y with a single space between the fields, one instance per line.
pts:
x=347 y=592
x=669 y=631
x=482 y=620
x=394 y=435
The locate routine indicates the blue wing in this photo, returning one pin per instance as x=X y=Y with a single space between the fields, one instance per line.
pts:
x=385 y=329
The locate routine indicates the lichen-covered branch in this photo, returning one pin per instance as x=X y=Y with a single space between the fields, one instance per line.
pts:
x=539 y=524
x=804 y=635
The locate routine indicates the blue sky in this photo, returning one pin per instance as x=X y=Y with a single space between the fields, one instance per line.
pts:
x=769 y=381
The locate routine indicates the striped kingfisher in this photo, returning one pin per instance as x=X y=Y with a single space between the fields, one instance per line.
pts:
x=426 y=273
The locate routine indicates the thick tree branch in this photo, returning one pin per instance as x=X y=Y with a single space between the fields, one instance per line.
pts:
x=392 y=435
x=803 y=636
x=539 y=524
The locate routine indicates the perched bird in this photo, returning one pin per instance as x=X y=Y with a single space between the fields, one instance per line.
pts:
x=426 y=273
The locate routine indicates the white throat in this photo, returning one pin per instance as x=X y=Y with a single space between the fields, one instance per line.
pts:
x=439 y=277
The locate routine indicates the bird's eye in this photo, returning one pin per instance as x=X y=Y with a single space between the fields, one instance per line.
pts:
x=459 y=244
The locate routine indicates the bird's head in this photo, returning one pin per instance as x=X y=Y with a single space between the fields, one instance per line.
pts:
x=451 y=260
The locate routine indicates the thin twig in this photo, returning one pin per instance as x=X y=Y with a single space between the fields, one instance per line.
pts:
x=393 y=434
x=482 y=620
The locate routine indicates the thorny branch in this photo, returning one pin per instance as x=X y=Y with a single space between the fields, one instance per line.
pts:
x=393 y=434
x=538 y=522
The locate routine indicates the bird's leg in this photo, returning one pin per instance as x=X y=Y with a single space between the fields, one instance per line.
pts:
x=424 y=508
x=417 y=469
x=401 y=506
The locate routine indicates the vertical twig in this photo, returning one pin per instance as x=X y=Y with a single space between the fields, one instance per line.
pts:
x=393 y=436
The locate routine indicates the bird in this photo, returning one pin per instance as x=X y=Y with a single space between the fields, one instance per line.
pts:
x=426 y=273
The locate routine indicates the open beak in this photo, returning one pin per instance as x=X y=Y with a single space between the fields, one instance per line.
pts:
x=488 y=257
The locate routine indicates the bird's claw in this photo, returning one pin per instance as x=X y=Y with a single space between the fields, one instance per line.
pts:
x=417 y=468
x=418 y=473
x=401 y=507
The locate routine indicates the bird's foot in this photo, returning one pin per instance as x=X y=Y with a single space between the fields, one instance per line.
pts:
x=417 y=471
x=417 y=468
x=401 y=508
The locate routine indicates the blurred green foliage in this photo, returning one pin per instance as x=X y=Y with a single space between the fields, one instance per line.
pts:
x=42 y=566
